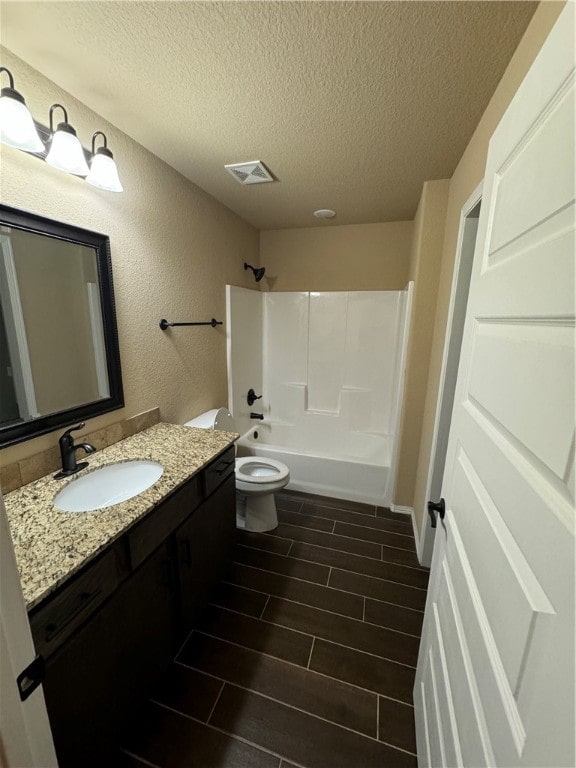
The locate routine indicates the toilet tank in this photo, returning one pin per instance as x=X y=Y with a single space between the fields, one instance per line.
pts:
x=217 y=418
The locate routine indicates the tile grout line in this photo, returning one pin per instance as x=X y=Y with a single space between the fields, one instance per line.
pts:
x=312 y=500
x=138 y=758
x=392 y=517
x=236 y=611
x=341 y=551
x=369 y=558
x=376 y=544
x=265 y=606
x=233 y=736
x=343 y=570
x=288 y=706
x=322 y=501
x=179 y=651
x=296 y=602
x=315 y=608
x=326 y=513
x=380 y=530
x=310 y=605
x=294 y=578
x=387 y=602
x=358 y=524
x=215 y=703
x=307 y=634
x=291 y=664
x=311 y=650
x=343 y=536
x=378 y=717
x=289 y=548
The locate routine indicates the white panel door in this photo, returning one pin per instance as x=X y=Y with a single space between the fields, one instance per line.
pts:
x=495 y=679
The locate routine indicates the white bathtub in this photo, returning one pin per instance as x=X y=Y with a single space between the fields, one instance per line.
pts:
x=355 y=467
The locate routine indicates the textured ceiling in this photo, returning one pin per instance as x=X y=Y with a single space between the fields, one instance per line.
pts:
x=352 y=105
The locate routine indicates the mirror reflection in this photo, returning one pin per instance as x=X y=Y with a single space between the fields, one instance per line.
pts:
x=58 y=342
x=51 y=335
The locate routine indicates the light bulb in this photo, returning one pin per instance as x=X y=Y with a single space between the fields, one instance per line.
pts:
x=103 y=172
x=17 y=127
x=66 y=152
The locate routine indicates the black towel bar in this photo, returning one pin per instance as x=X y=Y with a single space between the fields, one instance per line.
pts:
x=165 y=324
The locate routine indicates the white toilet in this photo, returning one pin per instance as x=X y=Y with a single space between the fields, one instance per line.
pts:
x=257 y=477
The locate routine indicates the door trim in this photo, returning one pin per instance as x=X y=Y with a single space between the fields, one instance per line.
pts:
x=25 y=736
x=426 y=540
x=402 y=358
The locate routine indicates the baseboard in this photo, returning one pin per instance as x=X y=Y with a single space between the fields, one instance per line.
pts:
x=409 y=511
x=402 y=510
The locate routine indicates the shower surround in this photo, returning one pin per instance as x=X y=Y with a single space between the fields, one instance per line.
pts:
x=330 y=368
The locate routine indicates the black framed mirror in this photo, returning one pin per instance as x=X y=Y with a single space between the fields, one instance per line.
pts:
x=59 y=353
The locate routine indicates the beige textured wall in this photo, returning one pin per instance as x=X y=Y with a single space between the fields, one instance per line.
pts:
x=468 y=175
x=424 y=270
x=353 y=257
x=173 y=250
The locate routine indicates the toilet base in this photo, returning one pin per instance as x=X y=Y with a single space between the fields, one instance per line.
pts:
x=256 y=513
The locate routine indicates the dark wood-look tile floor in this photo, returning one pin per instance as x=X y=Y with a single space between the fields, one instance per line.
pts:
x=306 y=655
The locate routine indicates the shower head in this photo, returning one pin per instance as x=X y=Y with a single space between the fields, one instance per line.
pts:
x=258 y=271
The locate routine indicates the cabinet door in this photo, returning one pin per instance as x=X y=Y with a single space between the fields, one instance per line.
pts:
x=205 y=544
x=96 y=681
x=146 y=613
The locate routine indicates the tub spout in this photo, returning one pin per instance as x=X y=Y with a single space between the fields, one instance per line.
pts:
x=257 y=416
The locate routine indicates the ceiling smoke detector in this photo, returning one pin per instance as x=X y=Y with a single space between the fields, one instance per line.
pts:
x=254 y=172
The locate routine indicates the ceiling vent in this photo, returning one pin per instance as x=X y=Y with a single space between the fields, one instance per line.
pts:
x=254 y=172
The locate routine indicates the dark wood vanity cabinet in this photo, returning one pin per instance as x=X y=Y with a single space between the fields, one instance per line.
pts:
x=110 y=632
x=96 y=680
x=204 y=546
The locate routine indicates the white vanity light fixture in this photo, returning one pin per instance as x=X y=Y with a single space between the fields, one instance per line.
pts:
x=17 y=127
x=66 y=152
x=60 y=147
x=103 y=171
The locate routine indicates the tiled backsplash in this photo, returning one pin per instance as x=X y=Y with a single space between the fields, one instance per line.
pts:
x=25 y=471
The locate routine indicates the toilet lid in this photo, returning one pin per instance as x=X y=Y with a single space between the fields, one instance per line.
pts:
x=259 y=469
x=217 y=418
x=224 y=420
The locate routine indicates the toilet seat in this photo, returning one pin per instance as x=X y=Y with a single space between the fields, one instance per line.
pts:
x=256 y=475
x=258 y=469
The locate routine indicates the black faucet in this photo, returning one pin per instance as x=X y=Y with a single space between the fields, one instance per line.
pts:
x=68 y=453
x=257 y=416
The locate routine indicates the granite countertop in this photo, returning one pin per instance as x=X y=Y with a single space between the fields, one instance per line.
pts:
x=51 y=545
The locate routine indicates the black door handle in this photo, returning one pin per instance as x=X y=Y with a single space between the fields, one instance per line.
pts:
x=434 y=507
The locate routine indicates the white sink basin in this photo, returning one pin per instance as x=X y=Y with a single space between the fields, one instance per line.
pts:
x=108 y=485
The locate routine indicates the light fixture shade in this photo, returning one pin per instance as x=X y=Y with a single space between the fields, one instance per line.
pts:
x=104 y=173
x=66 y=153
x=17 y=127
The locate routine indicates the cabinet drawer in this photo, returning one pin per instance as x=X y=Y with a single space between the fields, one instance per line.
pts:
x=219 y=470
x=151 y=532
x=53 y=623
